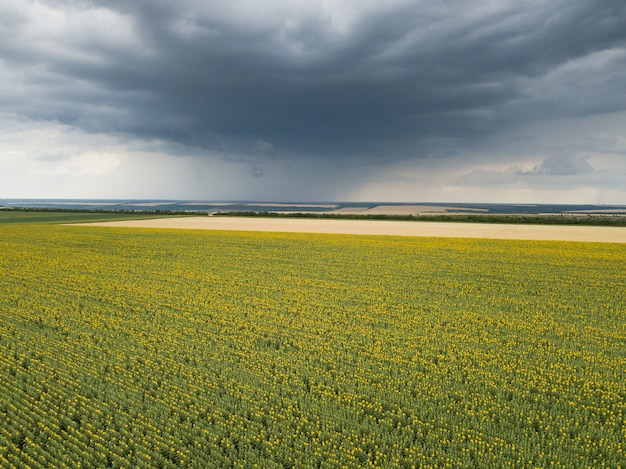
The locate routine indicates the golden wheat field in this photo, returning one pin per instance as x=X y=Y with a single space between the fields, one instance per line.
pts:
x=125 y=347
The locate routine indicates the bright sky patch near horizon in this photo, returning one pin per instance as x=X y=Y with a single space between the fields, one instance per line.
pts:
x=404 y=100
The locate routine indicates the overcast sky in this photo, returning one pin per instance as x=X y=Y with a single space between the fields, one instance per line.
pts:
x=299 y=100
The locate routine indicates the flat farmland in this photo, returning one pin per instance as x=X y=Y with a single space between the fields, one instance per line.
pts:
x=126 y=347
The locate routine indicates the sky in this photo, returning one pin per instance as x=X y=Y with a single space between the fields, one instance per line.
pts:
x=513 y=101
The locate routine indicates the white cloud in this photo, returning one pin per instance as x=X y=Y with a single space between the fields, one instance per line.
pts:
x=74 y=32
x=561 y=165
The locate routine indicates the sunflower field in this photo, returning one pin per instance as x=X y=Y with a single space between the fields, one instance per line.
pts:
x=143 y=348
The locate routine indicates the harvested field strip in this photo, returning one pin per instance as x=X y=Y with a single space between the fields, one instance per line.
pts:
x=388 y=227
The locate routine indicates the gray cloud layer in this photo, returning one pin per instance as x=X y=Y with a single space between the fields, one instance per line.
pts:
x=562 y=165
x=357 y=78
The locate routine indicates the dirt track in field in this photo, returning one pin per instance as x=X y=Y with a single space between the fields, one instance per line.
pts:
x=385 y=227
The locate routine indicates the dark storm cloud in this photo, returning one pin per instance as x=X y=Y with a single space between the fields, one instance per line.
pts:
x=302 y=79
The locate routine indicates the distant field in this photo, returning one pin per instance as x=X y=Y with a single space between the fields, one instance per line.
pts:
x=124 y=347
x=32 y=216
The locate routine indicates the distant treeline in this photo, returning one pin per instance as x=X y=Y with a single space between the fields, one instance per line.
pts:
x=520 y=219
x=557 y=219
x=104 y=210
